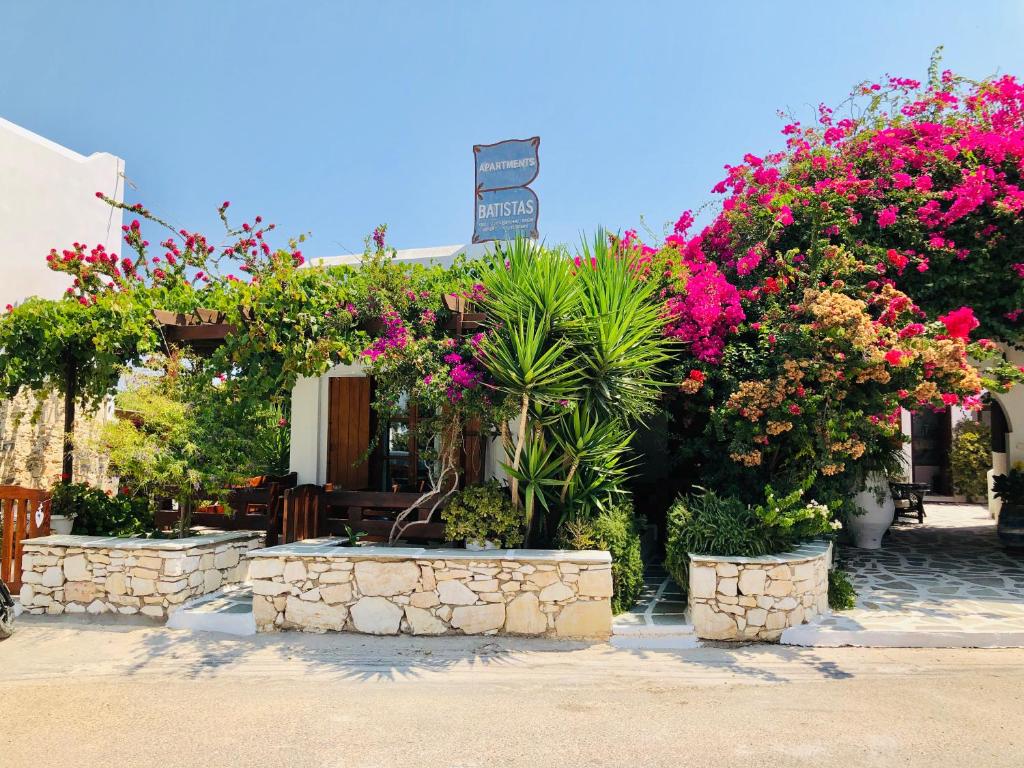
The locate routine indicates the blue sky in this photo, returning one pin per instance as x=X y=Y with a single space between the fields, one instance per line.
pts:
x=331 y=117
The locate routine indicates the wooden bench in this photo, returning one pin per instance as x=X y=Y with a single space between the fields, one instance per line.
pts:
x=310 y=511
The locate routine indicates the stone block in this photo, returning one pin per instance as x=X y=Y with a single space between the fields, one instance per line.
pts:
x=524 y=617
x=336 y=593
x=151 y=563
x=474 y=619
x=79 y=592
x=270 y=588
x=423 y=622
x=212 y=580
x=556 y=592
x=543 y=578
x=336 y=577
x=115 y=584
x=780 y=588
x=486 y=585
x=156 y=611
x=143 y=586
x=709 y=624
x=756 y=617
x=455 y=593
x=780 y=572
x=586 y=619
x=703 y=581
x=727 y=570
x=376 y=615
x=318 y=617
x=263 y=610
x=595 y=583
x=727 y=587
x=424 y=599
x=386 y=579
x=312 y=595
x=53 y=576
x=226 y=559
x=451 y=573
x=295 y=572
x=752 y=581
x=427 y=580
x=96 y=607
x=166 y=587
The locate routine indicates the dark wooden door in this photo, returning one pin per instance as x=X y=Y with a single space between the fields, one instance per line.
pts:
x=348 y=433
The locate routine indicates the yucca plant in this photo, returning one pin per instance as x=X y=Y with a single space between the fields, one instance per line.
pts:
x=575 y=348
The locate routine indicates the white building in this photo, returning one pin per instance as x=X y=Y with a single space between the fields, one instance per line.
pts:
x=317 y=410
x=48 y=200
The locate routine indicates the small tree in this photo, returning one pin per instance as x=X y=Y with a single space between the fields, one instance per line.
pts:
x=971 y=458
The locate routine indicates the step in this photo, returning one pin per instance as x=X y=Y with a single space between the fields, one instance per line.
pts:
x=639 y=632
x=819 y=635
x=228 y=611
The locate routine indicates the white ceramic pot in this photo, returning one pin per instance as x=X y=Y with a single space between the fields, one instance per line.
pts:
x=476 y=546
x=62 y=524
x=876 y=512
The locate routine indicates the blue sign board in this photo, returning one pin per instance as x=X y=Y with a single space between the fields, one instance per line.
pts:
x=505 y=208
x=504 y=214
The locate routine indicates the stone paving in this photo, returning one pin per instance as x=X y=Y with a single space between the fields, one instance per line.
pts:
x=944 y=582
x=660 y=610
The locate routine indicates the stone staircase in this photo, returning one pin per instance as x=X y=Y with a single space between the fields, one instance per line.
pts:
x=658 y=621
x=228 y=611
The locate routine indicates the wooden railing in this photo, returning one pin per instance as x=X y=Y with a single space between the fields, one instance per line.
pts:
x=252 y=508
x=311 y=511
x=25 y=514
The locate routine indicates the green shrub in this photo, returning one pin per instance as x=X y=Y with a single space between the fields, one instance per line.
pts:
x=97 y=514
x=1009 y=488
x=483 y=513
x=841 y=594
x=971 y=458
x=705 y=523
x=617 y=531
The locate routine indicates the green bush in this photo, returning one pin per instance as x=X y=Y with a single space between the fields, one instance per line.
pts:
x=841 y=594
x=618 y=532
x=1009 y=488
x=971 y=459
x=705 y=523
x=483 y=512
x=97 y=514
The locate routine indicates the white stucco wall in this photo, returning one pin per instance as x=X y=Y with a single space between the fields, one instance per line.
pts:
x=48 y=200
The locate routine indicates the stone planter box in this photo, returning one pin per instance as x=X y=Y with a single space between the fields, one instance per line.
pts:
x=756 y=598
x=318 y=586
x=93 y=574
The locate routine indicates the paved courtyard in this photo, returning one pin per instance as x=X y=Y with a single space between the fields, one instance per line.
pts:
x=944 y=582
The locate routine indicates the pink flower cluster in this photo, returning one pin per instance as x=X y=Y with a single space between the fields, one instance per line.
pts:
x=395 y=336
x=705 y=312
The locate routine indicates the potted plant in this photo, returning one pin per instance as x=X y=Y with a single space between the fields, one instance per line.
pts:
x=873 y=500
x=1009 y=489
x=65 y=503
x=482 y=517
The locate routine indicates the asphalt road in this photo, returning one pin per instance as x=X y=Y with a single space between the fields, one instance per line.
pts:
x=99 y=695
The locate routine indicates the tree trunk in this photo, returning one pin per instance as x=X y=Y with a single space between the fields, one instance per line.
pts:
x=70 y=391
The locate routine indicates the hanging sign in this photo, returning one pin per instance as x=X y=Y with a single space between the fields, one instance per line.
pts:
x=505 y=207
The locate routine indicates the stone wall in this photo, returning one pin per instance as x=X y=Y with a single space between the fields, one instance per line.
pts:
x=319 y=586
x=32 y=442
x=91 y=574
x=756 y=598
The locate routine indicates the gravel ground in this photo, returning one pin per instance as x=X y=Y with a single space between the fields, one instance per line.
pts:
x=93 y=694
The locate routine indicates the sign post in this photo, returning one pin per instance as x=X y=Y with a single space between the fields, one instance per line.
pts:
x=505 y=206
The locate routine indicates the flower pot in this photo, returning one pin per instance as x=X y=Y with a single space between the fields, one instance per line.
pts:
x=1010 y=527
x=478 y=546
x=876 y=512
x=62 y=524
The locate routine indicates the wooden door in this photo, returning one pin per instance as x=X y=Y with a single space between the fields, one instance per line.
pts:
x=348 y=432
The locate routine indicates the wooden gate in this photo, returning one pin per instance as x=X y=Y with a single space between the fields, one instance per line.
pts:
x=25 y=514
